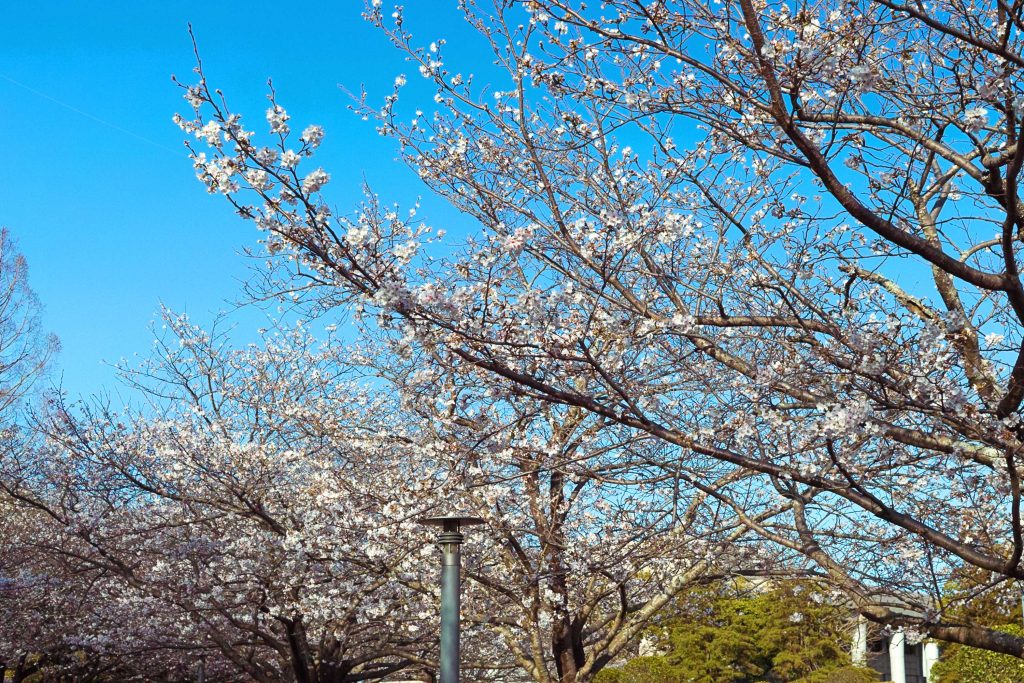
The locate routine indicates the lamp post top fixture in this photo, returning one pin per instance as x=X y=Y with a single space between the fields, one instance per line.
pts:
x=451 y=523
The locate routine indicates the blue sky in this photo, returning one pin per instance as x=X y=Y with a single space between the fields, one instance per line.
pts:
x=97 y=188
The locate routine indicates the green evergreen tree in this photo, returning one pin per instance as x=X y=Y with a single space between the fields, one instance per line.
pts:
x=791 y=632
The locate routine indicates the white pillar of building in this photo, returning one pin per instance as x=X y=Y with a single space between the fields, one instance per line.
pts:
x=897 y=663
x=859 y=648
x=929 y=656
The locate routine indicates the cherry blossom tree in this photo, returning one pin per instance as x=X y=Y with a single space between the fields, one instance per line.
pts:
x=779 y=236
x=262 y=515
x=237 y=518
x=587 y=536
x=69 y=618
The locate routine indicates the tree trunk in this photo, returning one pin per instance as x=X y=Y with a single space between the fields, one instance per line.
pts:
x=568 y=653
x=301 y=661
x=331 y=666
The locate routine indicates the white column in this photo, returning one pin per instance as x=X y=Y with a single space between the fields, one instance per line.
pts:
x=896 y=658
x=859 y=648
x=928 y=658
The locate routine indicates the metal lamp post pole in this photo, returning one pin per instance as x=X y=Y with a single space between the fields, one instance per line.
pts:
x=450 y=539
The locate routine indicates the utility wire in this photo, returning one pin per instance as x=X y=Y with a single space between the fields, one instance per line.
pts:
x=88 y=115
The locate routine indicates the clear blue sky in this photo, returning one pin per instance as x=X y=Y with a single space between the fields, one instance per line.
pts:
x=97 y=187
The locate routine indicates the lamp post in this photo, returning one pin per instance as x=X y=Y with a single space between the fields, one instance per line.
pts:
x=450 y=538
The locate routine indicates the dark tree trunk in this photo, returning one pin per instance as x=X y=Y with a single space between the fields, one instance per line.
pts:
x=301 y=661
x=332 y=667
x=566 y=645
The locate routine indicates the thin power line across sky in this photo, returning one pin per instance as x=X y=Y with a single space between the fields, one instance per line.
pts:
x=91 y=117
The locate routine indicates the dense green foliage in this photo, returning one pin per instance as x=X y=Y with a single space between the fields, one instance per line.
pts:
x=982 y=598
x=744 y=634
x=962 y=664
